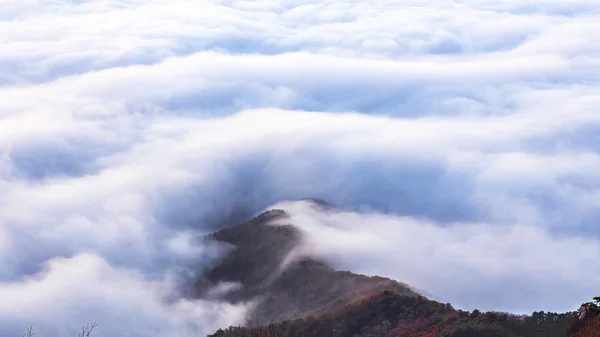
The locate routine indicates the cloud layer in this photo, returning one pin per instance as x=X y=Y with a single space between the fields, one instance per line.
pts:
x=471 y=265
x=461 y=138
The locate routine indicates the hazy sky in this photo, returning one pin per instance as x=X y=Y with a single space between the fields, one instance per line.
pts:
x=460 y=137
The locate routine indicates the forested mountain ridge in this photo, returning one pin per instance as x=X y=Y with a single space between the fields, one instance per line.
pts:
x=309 y=298
x=389 y=314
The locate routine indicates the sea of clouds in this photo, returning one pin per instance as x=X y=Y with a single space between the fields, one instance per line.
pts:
x=460 y=138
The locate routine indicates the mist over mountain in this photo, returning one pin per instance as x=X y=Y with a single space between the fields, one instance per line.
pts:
x=453 y=144
x=274 y=265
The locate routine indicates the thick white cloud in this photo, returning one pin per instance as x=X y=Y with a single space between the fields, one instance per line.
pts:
x=129 y=127
x=472 y=265
x=85 y=286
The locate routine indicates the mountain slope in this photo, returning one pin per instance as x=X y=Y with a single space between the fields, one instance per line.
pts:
x=255 y=263
x=389 y=314
x=306 y=297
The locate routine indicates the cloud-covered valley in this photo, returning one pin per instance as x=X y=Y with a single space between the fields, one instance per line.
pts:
x=460 y=138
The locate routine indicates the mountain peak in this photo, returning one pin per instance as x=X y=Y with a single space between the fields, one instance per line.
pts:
x=261 y=260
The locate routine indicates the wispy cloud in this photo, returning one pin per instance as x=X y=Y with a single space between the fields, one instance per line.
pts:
x=127 y=127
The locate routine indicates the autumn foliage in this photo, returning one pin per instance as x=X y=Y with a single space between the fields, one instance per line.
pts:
x=390 y=314
x=587 y=322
